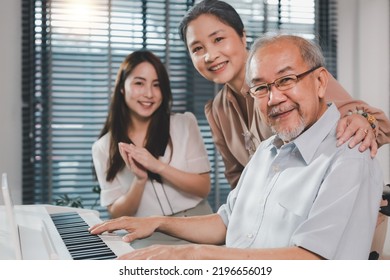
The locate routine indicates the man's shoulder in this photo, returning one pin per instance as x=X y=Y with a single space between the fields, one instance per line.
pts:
x=345 y=151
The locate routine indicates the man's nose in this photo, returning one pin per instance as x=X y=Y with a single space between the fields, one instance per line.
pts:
x=275 y=96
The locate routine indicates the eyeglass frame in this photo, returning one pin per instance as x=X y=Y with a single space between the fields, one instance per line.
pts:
x=268 y=85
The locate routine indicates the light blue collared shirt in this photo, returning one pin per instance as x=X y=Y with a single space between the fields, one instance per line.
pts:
x=307 y=193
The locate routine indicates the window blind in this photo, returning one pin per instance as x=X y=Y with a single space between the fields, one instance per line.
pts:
x=71 y=52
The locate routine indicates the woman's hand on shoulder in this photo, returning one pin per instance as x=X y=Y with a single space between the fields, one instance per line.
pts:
x=357 y=129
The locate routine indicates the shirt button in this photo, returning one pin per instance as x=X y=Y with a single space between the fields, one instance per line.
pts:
x=249 y=235
x=275 y=168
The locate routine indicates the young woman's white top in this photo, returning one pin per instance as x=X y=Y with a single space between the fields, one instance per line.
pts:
x=188 y=154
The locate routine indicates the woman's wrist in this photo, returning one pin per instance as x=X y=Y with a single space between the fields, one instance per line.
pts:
x=162 y=167
x=140 y=182
x=370 y=118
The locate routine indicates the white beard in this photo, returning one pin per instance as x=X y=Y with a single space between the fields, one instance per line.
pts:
x=290 y=134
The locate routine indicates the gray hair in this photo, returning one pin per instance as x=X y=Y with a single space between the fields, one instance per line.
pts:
x=311 y=52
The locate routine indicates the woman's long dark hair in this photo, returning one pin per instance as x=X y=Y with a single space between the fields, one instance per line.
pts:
x=118 y=120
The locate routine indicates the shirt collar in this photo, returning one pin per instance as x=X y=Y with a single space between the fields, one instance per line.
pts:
x=245 y=89
x=230 y=93
x=308 y=142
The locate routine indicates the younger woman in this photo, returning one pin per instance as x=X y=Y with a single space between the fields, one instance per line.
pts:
x=149 y=161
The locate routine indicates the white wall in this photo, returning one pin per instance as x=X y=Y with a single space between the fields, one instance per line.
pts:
x=10 y=94
x=364 y=56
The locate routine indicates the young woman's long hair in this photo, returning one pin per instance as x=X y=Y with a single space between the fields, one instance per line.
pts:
x=118 y=119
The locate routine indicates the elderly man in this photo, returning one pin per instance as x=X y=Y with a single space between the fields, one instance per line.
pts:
x=301 y=196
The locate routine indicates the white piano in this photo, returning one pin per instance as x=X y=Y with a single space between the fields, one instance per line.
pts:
x=46 y=232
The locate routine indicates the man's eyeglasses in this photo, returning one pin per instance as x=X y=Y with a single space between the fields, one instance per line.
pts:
x=282 y=83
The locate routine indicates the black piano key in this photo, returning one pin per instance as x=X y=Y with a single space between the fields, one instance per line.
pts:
x=68 y=222
x=82 y=240
x=65 y=215
x=70 y=244
x=80 y=243
x=85 y=246
x=65 y=226
x=109 y=257
x=72 y=226
x=96 y=257
x=92 y=253
x=74 y=235
x=75 y=229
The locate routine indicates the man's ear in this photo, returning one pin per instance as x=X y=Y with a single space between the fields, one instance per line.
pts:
x=322 y=81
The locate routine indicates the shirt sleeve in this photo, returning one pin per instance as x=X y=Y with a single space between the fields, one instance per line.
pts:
x=226 y=209
x=344 y=102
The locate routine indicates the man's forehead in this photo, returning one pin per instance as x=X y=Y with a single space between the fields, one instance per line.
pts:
x=262 y=70
x=280 y=51
x=276 y=61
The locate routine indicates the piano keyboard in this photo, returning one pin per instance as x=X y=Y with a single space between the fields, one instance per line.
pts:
x=49 y=232
x=81 y=244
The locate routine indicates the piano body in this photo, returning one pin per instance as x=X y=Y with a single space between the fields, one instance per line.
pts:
x=54 y=232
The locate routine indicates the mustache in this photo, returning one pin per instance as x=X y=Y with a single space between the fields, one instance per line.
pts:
x=277 y=110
